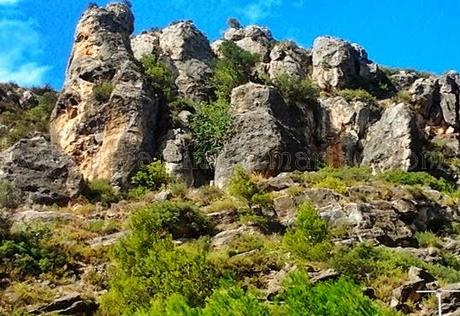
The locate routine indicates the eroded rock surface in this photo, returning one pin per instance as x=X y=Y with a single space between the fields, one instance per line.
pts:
x=107 y=135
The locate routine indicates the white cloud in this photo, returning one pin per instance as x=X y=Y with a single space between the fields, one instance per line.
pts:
x=260 y=9
x=20 y=48
x=9 y=2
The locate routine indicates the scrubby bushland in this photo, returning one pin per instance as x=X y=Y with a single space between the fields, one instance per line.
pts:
x=295 y=89
x=357 y=95
x=151 y=176
x=148 y=265
x=100 y=190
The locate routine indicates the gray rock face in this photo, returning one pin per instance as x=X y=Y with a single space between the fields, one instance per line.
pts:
x=288 y=58
x=182 y=46
x=106 y=137
x=393 y=142
x=424 y=93
x=339 y=64
x=265 y=139
x=254 y=39
x=40 y=171
x=450 y=98
x=404 y=79
x=344 y=125
x=176 y=155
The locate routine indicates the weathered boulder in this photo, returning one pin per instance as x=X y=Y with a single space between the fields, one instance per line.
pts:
x=344 y=124
x=404 y=79
x=176 y=154
x=450 y=98
x=393 y=142
x=146 y=43
x=266 y=139
x=424 y=93
x=340 y=64
x=70 y=304
x=40 y=172
x=106 y=115
x=287 y=58
x=253 y=38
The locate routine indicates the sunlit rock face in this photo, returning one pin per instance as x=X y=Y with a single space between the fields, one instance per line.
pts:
x=105 y=117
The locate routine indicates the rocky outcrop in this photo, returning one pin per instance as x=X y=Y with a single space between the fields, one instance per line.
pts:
x=450 y=98
x=40 y=172
x=287 y=58
x=105 y=116
x=344 y=125
x=339 y=64
x=265 y=138
x=188 y=53
x=393 y=142
x=254 y=39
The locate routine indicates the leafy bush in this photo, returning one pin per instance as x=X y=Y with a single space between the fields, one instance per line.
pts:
x=210 y=125
x=403 y=96
x=428 y=239
x=101 y=191
x=233 y=69
x=310 y=238
x=181 y=220
x=295 y=89
x=151 y=176
x=357 y=95
x=348 y=175
x=147 y=264
x=332 y=183
x=9 y=195
x=241 y=185
x=102 y=91
x=159 y=74
x=417 y=178
x=24 y=252
x=327 y=298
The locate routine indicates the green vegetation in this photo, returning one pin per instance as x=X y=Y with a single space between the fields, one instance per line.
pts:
x=296 y=89
x=210 y=125
x=241 y=185
x=9 y=196
x=428 y=239
x=102 y=91
x=233 y=69
x=160 y=76
x=150 y=177
x=21 y=122
x=417 y=178
x=402 y=96
x=357 y=95
x=310 y=239
x=100 y=190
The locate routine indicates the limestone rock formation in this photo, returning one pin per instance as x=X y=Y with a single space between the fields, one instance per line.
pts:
x=186 y=50
x=41 y=173
x=344 y=125
x=339 y=64
x=288 y=58
x=265 y=139
x=450 y=98
x=105 y=117
x=254 y=39
x=393 y=142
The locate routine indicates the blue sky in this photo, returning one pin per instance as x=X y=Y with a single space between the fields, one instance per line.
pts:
x=36 y=35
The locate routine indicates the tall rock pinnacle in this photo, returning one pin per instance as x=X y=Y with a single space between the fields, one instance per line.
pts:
x=105 y=117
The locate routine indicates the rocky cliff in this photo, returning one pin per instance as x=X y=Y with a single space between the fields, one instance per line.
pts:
x=105 y=117
x=286 y=158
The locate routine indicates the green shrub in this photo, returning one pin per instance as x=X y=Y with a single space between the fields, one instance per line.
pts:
x=417 y=178
x=403 y=96
x=295 y=89
x=310 y=238
x=102 y=91
x=159 y=74
x=181 y=220
x=357 y=95
x=151 y=176
x=210 y=125
x=332 y=183
x=9 y=195
x=428 y=239
x=327 y=298
x=241 y=185
x=101 y=191
x=233 y=69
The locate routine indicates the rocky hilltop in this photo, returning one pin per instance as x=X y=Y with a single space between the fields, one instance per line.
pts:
x=287 y=160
